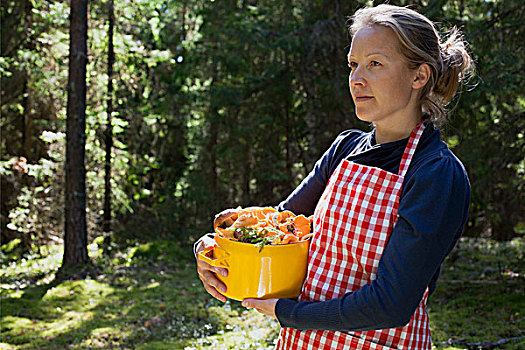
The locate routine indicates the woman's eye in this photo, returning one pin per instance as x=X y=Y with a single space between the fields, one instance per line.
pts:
x=352 y=65
x=375 y=64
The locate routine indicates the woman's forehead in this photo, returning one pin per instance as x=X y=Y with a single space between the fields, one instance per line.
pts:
x=374 y=40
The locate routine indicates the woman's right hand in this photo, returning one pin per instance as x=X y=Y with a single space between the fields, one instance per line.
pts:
x=207 y=274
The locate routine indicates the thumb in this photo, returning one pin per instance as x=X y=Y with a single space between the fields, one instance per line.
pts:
x=249 y=303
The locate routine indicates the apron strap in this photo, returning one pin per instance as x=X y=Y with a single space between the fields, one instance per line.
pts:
x=410 y=148
x=360 y=145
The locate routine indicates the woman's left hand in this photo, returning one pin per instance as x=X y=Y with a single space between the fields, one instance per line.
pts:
x=266 y=307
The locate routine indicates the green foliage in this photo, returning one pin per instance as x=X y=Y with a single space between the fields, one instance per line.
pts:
x=226 y=103
x=488 y=120
x=11 y=250
x=31 y=81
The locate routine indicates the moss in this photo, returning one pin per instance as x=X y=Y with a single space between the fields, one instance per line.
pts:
x=477 y=313
x=148 y=296
x=477 y=298
x=167 y=251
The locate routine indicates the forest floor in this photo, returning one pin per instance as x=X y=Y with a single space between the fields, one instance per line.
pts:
x=148 y=296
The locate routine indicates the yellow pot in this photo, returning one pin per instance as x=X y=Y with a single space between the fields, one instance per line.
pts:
x=277 y=271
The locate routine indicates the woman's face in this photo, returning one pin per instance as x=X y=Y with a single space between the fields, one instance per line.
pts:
x=380 y=81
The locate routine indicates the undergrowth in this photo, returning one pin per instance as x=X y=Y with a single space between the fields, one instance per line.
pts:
x=148 y=296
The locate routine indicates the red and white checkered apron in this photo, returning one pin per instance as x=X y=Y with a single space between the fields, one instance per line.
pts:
x=352 y=223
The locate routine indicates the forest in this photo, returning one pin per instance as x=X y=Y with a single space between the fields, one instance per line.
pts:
x=194 y=106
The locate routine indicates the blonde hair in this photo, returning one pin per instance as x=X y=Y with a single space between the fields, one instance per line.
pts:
x=450 y=63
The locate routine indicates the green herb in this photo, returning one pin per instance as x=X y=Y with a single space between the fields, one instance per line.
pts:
x=257 y=235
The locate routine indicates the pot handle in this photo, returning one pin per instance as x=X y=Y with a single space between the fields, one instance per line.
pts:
x=220 y=262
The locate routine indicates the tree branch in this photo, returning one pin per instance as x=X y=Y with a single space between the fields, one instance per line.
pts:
x=483 y=344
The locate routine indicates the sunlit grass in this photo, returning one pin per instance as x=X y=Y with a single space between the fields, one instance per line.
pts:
x=480 y=295
x=148 y=296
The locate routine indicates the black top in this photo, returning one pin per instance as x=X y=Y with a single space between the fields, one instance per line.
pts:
x=432 y=211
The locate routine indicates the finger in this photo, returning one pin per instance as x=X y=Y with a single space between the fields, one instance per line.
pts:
x=221 y=271
x=214 y=293
x=258 y=305
x=213 y=286
x=266 y=307
x=201 y=265
x=252 y=303
x=209 y=278
x=210 y=281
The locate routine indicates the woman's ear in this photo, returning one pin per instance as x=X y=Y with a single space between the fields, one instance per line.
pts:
x=422 y=76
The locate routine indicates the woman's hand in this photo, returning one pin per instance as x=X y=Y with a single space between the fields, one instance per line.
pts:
x=266 y=307
x=210 y=281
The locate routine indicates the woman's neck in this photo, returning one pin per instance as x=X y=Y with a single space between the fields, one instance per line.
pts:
x=390 y=132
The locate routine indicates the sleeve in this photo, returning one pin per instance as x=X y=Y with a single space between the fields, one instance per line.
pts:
x=304 y=198
x=208 y=240
x=432 y=212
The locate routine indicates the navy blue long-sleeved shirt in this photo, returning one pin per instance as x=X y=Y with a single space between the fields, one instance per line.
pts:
x=432 y=211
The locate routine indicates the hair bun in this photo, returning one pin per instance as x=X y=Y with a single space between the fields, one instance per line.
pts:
x=456 y=66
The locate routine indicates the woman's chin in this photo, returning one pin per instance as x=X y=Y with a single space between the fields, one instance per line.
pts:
x=364 y=117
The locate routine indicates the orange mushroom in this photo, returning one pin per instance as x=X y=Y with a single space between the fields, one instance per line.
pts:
x=285 y=226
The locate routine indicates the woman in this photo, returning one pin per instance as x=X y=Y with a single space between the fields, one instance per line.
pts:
x=388 y=205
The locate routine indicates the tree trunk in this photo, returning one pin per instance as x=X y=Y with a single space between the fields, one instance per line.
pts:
x=26 y=121
x=214 y=134
x=288 y=14
x=213 y=155
x=109 y=131
x=75 y=241
x=26 y=118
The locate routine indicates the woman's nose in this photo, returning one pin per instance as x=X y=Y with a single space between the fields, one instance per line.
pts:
x=356 y=77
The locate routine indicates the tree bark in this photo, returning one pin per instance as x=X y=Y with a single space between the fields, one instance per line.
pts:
x=26 y=118
x=213 y=155
x=214 y=134
x=109 y=131
x=288 y=14
x=75 y=237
